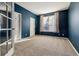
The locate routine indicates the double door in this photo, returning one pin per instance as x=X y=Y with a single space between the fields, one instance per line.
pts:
x=6 y=29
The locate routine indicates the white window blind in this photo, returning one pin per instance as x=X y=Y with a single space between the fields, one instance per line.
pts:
x=49 y=23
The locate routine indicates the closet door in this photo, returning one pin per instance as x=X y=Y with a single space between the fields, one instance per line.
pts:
x=32 y=26
x=18 y=24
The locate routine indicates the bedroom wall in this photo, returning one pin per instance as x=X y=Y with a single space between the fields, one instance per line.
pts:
x=25 y=20
x=63 y=25
x=74 y=24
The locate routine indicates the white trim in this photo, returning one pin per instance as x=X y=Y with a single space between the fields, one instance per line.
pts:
x=20 y=25
x=73 y=47
x=13 y=26
x=32 y=26
x=5 y=16
x=20 y=22
x=4 y=43
x=10 y=52
x=5 y=29
x=25 y=39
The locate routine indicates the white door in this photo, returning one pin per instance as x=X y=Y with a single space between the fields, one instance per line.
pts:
x=32 y=26
x=17 y=20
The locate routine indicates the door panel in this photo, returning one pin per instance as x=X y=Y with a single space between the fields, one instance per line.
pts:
x=17 y=24
x=32 y=26
x=6 y=28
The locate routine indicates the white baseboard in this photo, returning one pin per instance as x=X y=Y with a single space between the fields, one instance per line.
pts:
x=10 y=53
x=25 y=39
x=73 y=47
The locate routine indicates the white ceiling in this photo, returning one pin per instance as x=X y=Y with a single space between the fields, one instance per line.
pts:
x=44 y=7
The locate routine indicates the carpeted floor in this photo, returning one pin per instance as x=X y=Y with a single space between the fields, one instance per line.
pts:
x=44 y=46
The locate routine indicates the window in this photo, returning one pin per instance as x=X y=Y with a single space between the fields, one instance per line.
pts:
x=49 y=23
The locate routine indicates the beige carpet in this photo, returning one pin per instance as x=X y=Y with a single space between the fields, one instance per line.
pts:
x=44 y=46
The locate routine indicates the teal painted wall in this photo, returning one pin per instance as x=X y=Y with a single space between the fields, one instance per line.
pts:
x=74 y=24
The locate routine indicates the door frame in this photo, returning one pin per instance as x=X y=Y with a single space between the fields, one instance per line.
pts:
x=20 y=25
x=30 y=26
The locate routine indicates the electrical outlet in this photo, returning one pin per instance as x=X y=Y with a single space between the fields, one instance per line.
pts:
x=62 y=34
